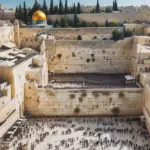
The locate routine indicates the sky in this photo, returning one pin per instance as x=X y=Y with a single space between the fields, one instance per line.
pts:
x=14 y=3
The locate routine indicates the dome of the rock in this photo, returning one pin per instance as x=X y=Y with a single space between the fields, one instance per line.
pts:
x=39 y=16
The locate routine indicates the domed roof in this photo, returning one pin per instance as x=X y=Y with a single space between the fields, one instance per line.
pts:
x=39 y=15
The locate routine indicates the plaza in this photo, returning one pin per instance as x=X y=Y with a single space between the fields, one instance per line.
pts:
x=115 y=133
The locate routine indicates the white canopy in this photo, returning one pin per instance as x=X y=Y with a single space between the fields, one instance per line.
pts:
x=129 y=77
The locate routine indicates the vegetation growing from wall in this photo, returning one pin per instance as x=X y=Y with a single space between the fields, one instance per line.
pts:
x=115 y=111
x=79 y=37
x=84 y=94
x=77 y=110
x=95 y=94
x=121 y=94
x=59 y=56
x=80 y=99
x=117 y=35
x=88 y=60
x=72 y=96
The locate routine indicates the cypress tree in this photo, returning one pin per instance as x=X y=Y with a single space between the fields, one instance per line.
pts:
x=106 y=23
x=40 y=8
x=116 y=5
x=44 y=7
x=113 y=5
x=20 y=13
x=16 y=12
x=25 y=12
x=97 y=7
x=60 y=7
x=74 y=9
x=76 y=20
x=78 y=8
x=29 y=15
x=35 y=7
x=56 y=9
x=66 y=7
x=51 y=9
x=56 y=24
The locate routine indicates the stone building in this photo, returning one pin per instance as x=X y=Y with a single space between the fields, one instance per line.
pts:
x=6 y=14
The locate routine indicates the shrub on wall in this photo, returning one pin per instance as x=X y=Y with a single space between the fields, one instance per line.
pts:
x=77 y=110
x=93 y=59
x=59 y=56
x=88 y=60
x=115 y=110
x=80 y=99
x=72 y=96
x=117 y=35
x=84 y=94
x=79 y=37
x=73 y=54
x=95 y=94
x=121 y=94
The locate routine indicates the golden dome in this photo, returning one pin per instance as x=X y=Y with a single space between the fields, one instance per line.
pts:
x=39 y=15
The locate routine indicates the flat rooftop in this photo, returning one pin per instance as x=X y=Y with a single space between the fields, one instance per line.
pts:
x=90 y=80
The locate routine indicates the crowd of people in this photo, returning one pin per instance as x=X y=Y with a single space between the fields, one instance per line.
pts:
x=83 y=134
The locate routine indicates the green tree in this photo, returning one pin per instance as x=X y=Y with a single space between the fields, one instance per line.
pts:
x=25 y=13
x=78 y=8
x=79 y=37
x=66 y=7
x=128 y=33
x=56 y=9
x=74 y=9
x=45 y=10
x=108 y=9
x=34 y=8
x=61 y=8
x=63 y=22
x=106 y=23
x=76 y=20
x=115 y=5
x=113 y=24
x=116 y=35
x=97 y=9
x=57 y=23
x=51 y=9
x=20 y=13
x=17 y=12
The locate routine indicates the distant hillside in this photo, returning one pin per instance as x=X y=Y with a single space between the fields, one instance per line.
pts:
x=129 y=14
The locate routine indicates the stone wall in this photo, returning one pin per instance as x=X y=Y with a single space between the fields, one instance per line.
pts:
x=64 y=102
x=6 y=34
x=103 y=56
x=70 y=33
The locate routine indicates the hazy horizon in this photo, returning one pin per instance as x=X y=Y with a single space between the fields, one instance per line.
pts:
x=14 y=3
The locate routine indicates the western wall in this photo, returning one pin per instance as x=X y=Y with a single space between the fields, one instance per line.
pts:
x=67 y=55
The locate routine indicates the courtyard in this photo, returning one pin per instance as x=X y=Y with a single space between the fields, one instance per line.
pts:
x=93 y=133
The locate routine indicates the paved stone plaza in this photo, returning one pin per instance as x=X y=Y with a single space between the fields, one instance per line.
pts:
x=83 y=134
